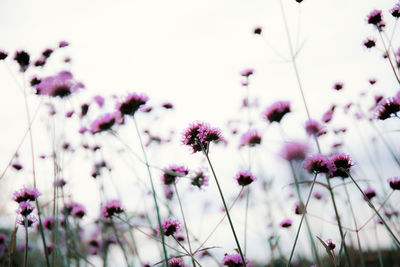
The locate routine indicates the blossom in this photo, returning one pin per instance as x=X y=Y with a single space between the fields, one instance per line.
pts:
x=314 y=128
x=23 y=60
x=247 y=72
x=25 y=208
x=395 y=11
x=234 y=260
x=48 y=223
x=286 y=223
x=338 y=86
x=375 y=18
x=369 y=193
x=111 y=208
x=62 y=85
x=200 y=179
x=293 y=150
x=387 y=107
x=172 y=172
x=62 y=44
x=78 y=210
x=244 y=178
x=18 y=166
x=170 y=226
x=31 y=220
x=99 y=100
x=176 y=262
x=200 y=134
x=3 y=54
x=103 y=123
x=330 y=244
x=131 y=103
x=369 y=42
x=276 y=111
x=167 y=105
x=257 y=30
x=250 y=138
x=343 y=164
x=319 y=164
x=25 y=194
x=394 y=183
x=372 y=81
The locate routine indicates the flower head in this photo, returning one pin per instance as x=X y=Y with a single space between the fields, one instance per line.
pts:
x=250 y=138
x=103 y=123
x=394 y=183
x=234 y=260
x=338 y=86
x=172 y=172
x=167 y=105
x=78 y=210
x=276 y=111
x=330 y=244
x=176 y=262
x=31 y=220
x=370 y=193
x=25 y=208
x=48 y=223
x=244 y=178
x=62 y=44
x=395 y=11
x=200 y=179
x=293 y=150
x=170 y=226
x=257 y=30
x=247 y=72
x=3 y=54
x=111 y=208
x=200 y=134
x=343 y=164
x=369 y=42
x=387 y=107
x=319 y=164
x=131 y=103
x=62 y=85
x=25 y=194
x=23 y=60
x=314 y=128
x=286 y=223
x=375 y=18
x=99 y=100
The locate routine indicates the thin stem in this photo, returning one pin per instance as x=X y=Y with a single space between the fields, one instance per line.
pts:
x=120 y=243
x=389 y=58
x=26 y=243
x=189 y=253
x=223 y=201
x=185 y=224
x=153 y=190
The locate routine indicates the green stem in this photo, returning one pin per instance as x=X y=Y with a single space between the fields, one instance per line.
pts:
x=120 y=243
x=26 y=243
x=154 y=192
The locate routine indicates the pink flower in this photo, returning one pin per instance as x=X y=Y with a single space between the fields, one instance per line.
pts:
x=61 y=85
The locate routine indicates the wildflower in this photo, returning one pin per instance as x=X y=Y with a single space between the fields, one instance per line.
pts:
x=387 y=107
x=234 y=260
x=394 y=183
x=314 y=128
x=99 y=100
x=131 y=104
x=244 y=178
x=62 y=85
x=330 y=244
x=327 y=117
x=199 y=179
x=276 y=111
x=83 y=130
x=370 y=193
x=250 y=138
x=369 y=42
x=94 y=246
x=172 y=172
x=170 y=226
x=395 y=11
x=375 y=18
x=168 y=192
x=31 y=220
x=40 y=62
x=319 y=164
x=48 y=223
x=167 y=105
x=317 y=195
x=286 y=223
x=103 y=123
x=3 y=54
x=343 y=164
x=69 y=113
x=338 y=86
x=78 y=210
x=200 y=134
x=47 y=52
x=257 y=30
x=176 y=262
x=17 y=166
x=25 y=194
x=25 y=208
x=23 y=60
x=247 y=72
x=111 y=208
x=372 y=81
x=293 y=150
x=62 y=44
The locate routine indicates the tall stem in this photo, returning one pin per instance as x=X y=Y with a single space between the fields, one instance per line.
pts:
x=223 y=201
x=388 y=56
x=26 y=243
x=154 y=192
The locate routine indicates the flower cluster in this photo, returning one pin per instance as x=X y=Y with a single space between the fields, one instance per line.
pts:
x=244 y=178
x=319 y=164
x=200 y=134
x=276 y=111
x=250 y=138
x=131 y=103
x=234 y=260
x=110 y=209
x=61 y=85
x=172 y=172
x=343 y=164
x=170 y=226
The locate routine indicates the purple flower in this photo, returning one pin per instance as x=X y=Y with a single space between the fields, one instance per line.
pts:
x=31 y=220
x=170 y=226
x=25 y=208
x=395 y=11
x=60 y=182
x=375 y=18
x=111 y=208
x=131 y=103
x=200 y=133
x=78 y=210
x=387 y=107
x=317 y=195
x=286 y=223
x=343 y=164
x=176 y=262
x=61 y=85
x=99 y=100
x=103 y=123
x=18 y=166
x=372 y=81
x=257 y=30
x=22 y=59
x=234 y=260
x=247 y=72
x=394 y=183
x=327 y=117
x=370 y=193
x=25 y=194
x=200 y=179
x=48 y=223
x=319 y=164
x=276 y=111
x=338 y=86
x=369 y=42
x=167 y=105
x=330 y=244
x=293 y=151
x=62 y=44
x=3 y=54
x=94 y=246
x=314 y=128
x=250 y=138
x=168 y=192
x=69 y=113
x=172 y=172
x=244 y=178
x=47 y=52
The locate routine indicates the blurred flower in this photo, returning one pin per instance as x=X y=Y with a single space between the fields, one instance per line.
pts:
x=31 y=220
x=131 y=103
x=235 y=260
x=62 y=44
x=23 y=60
x=343 y=164
x=78 y=210
x=370 y=193
x=244 y=178
x=314 y=128
x=257 y=30
x=293 y=150
x=168 y=192
x=200 y=133
x=394 y=183
x=387 y=107
x=247 y=72
x=176 y=262
x=103 y=123
x=276 y=111
x=99 y=100
x=111 y=208
x=25 y=208
x=319 y=164
x=395 y=11
x=47 y=52
x=69 y=113
x=61 y=85
x=3 y=54
x=200 y=179
x=250 y=138
x=338 y=86
x=17 y=166
x=172 y=172
x=25 y=194
x=84 y=109
x=330 y=244
x=286 y=223
x=48 y=223
x=372 y=81
x=170 y=226
x=167 y=105
x=317 y=195
x=94 y=246
x=375 y=18
x=369 y=42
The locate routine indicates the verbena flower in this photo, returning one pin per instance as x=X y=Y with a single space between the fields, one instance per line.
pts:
x=25 y=208
x=234 y=260
x=48 y=223
x=330 y=244
x=131 y=103
x=176 y=262
x=257 y=30
x=103 y=123
x=247 y=72
x=375 y=18
x=250 y=138
x=286 y=223
x=60 y=85
x=369 y=42
x=387 y=107
x=78 y=210
x=111 y=208
x=293 y=150
x=338 y=86
x=244 y=178
x=370 y=193
x=200 y=133
x=170 y=226
x=394 y=183
x=172 y=172
x=319 y=164
x=395 y=11
x=25 y=194
x=23 y=60
x=167 y=105
x=200 y=179
x=31 y=220
x=276 y=111
x=314 y=128
x=62 y=44
x=3 y=54
x=343 y=164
